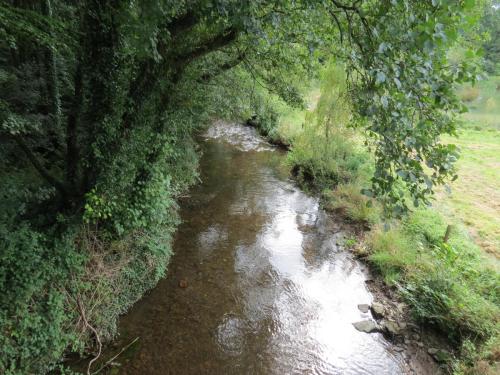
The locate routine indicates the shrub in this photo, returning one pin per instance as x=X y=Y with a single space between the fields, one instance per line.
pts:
x=325 y=153
x=36 y=273
x=469 y=94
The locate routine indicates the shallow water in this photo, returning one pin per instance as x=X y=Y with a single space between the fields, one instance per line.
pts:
x=269 y=288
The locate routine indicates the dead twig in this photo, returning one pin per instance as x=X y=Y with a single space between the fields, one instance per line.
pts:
x=108 y=362
x=89 y=326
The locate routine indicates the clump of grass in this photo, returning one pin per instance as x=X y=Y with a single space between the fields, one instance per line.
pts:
x=348 y=200
x=469 y=94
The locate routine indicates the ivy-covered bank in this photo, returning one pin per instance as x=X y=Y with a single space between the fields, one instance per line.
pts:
x=99 y=101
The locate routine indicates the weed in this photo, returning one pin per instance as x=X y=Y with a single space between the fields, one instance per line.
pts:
x=469 y=94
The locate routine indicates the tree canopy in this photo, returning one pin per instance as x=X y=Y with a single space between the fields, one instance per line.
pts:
x=107 y=62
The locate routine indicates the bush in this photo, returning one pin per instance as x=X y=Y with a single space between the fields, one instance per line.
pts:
x=469 y=94
x=48 y=266
x=36 y=274
x=325 y=153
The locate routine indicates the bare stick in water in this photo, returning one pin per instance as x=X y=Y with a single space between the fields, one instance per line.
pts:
x=108 y=362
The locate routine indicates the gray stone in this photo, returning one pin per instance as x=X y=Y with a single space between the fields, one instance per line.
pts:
x=364 y=307
x=378 y=310
x=367 y=326
x=398 y=349
x=432 y=351
x=391 y=327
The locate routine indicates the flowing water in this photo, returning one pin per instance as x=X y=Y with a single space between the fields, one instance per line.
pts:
x=259 y=283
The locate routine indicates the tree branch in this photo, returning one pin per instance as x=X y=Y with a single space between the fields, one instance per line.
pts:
x=222 y=68
x=72 y=149
x=218 y=41
x=39 y=167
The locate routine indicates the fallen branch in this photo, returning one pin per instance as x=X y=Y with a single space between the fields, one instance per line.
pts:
x=87 y=324
x=108 y=362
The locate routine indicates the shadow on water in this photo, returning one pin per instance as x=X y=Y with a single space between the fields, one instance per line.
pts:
x=266 y=288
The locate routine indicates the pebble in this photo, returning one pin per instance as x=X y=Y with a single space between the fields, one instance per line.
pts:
x=432 y=351
x=391 y=327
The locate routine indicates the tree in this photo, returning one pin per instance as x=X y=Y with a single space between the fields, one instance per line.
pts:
x=490 y=24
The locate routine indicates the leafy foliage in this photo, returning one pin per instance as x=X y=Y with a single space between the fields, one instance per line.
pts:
x=490 y=24
x=402 y=87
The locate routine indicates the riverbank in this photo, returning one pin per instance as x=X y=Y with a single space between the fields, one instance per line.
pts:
x=445 y=280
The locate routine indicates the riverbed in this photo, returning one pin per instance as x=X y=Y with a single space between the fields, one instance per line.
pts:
x=260 y=282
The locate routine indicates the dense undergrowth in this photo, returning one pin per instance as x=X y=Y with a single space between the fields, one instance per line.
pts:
x=55 y=277
x=448 y=284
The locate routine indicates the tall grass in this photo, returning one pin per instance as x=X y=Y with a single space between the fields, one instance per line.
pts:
x=447 y=284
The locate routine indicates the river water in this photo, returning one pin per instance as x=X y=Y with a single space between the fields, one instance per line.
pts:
x=259 y=282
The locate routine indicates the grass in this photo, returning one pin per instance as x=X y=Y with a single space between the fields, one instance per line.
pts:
x=475 y=196
x=450 y=286
x=453 y=285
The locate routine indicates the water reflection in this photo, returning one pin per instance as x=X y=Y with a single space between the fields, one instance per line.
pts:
x=269 y=290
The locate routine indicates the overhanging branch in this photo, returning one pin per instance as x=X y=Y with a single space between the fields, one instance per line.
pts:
x=216 y=42
x=222 y=68
x=39 y=167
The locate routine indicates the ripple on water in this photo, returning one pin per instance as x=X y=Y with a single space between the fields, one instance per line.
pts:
x=244 y=138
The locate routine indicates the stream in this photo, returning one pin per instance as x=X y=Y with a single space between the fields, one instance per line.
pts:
x=259 y=282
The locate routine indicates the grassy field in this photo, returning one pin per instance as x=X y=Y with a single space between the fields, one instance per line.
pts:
x=475 y=196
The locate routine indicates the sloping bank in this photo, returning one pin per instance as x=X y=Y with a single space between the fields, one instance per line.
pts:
x=443 y=278
x=66 y=286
